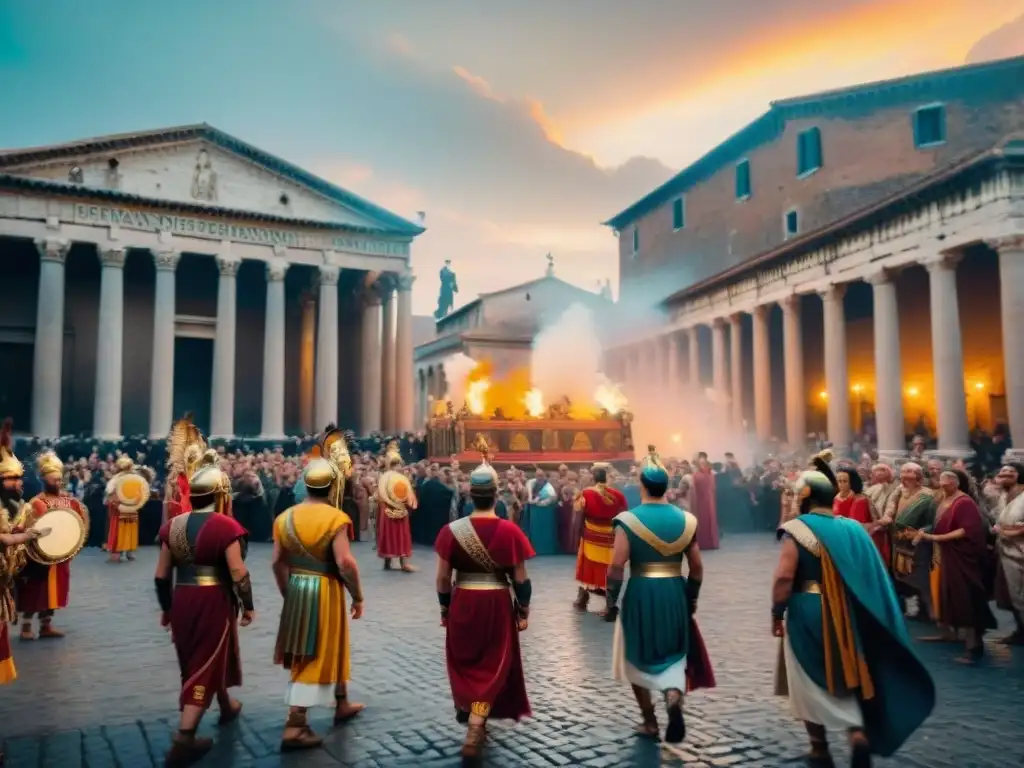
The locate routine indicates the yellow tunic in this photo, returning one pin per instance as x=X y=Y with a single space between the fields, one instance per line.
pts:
x=312 y=639
x=127 y=534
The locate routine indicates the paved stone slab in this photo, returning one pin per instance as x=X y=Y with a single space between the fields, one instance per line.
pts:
x=106 y=694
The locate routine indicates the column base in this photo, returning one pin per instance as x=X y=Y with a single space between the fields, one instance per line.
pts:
x=891 y=457
x=272 y=437
x=222 y=437
x=112 y=437
x=950 y=454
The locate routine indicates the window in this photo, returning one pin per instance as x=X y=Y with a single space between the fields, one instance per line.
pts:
x=742 y=179
x=678 y=214
x=792 y=223
x=929 y=126
x=808 y=151
x=636 y=240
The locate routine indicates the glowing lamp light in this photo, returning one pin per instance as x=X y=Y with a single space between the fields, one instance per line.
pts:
x=979 y=386
x=858 y=388
x=913 y=391
x=823 y=395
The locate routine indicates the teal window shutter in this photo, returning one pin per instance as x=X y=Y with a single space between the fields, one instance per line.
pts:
x=743 y=179
x=678 y=214
x=636 y=239
x=808 y=151
x=929 y=125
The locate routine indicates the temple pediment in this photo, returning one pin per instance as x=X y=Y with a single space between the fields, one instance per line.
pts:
x=202 y=166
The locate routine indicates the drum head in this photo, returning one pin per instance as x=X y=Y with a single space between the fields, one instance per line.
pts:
x=65 y=539
x=132 y=492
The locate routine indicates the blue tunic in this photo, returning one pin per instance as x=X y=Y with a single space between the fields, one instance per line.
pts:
x=655 y=613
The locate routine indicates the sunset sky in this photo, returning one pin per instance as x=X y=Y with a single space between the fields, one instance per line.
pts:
x=517 y=126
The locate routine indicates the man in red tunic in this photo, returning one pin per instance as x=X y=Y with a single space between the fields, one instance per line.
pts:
x=43 y=589
x=489 y=557
x=595 y=508
x=206 y=551
x=704 y=503
x=395 y=498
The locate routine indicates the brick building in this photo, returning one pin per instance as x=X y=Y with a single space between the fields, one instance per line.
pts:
x=824 y=205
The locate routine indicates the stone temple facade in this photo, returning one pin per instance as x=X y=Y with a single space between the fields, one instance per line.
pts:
x=149 y=274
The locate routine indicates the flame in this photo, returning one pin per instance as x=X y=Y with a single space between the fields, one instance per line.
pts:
x=517 y=398
x=534 y=402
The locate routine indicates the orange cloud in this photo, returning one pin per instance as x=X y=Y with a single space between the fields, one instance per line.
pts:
x=535 y=109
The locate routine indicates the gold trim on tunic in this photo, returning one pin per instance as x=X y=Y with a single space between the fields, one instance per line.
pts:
x=480 y=581
x=646 y=535
x=672 y=570
x=809 y=588
x=803 y=535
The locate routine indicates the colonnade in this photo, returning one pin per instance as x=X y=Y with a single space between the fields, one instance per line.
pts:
x=947 y=357
x=387 y=385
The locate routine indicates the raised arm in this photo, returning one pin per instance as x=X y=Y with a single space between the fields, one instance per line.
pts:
x=349 y=570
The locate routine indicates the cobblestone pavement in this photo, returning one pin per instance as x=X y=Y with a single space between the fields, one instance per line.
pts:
x=106 y=694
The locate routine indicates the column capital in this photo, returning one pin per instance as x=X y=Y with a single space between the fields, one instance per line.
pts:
x=228 y=267
x=276 y=270
x=329 y=274
x=736 y=318
x=790 y=303
x=760 y=311
x=833 y=292
x=881 y=276
x=52 y=250
x=166 y=260
x=112 y=257
x=718 y=323
x=373 y=296
x=1009 y=243
x=941 y=262
x=404 y=281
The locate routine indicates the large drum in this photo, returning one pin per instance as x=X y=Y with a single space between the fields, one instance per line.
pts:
x=65 y=535
x=131 y=491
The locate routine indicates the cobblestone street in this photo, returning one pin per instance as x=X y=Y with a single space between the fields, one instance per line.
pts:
x=106 y=694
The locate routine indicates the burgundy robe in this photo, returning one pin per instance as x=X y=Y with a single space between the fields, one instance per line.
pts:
x=45 y=587
x=702 y=501
x=963 y=595
x=204 y=619
x=482 y=644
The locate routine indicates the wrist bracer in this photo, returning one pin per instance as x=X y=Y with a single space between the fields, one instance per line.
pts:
x=693 y=589
x=164 y=590
x=779 y=611
x=614 y=587
x=524 y=592
x=244 y=590
x=445 y=599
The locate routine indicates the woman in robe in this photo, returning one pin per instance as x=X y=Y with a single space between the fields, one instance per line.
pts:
x=959 y=557
x=852 y=503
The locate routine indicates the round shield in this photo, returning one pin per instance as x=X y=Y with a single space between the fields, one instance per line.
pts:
x=394 y=489
x=132 y=493
x=65 y=537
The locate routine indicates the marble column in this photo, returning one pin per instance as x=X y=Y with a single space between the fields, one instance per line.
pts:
x=1011 y=278
x=387 y=355
x=406 y=382
x=106 y=422
x=837 y=384
x=948 y=357
x=371 y=397
x=736 y=368
x=48 y=363
x=694 y=364
x=307 y=364
x=161 y=389
x=272 y=425
x=796 y=392
x=673 y=372
x=762 y=375
x=327 y=350
x=719 y=375
x=222 y=410
x=889 y=420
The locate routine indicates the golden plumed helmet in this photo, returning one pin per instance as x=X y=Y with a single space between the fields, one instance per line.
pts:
x=319 y=474
x=392 y=456
x=335 y=449
x=124 y=464
x=9 y=464
x=49 y=464
x=817 y=486
x=185 y=446
x=208 y=479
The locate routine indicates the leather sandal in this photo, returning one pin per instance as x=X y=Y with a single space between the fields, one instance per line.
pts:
x=649 y=726
x=344 y=710
x=305 y=738
x=228 y=716
x=187 y=749
x=473 y=746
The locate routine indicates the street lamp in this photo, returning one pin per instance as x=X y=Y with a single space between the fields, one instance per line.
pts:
x=913 y=391
x=823 y=395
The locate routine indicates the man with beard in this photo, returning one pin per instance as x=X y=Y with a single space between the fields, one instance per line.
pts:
x=846 y=661
x=596 y=508
x=909 y=510
x=1010 y=548
x=657 y=647
x=12 y=550
x=43 y=589
x=488 y=556
x=206 y=549
x=879 y=490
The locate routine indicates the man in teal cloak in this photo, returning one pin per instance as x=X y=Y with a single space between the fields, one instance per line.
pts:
x=657 y=647
x=846 y=661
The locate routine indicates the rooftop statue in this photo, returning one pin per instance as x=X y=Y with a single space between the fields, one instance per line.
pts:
x=449 y=287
